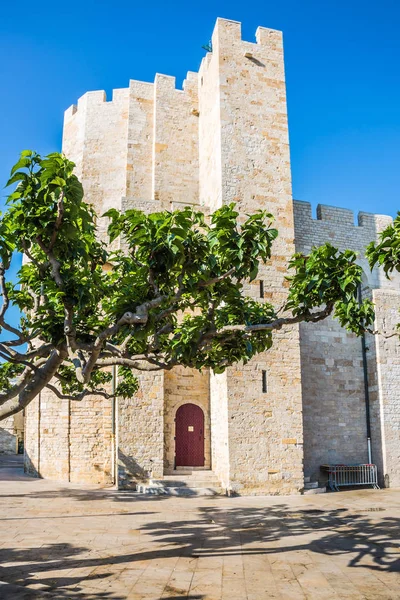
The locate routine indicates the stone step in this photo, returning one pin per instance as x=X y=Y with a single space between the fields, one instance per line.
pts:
x=193 y=468
x=310 y=485
x=162 y=490
x=311 y=491
x=186 y=482
x=187 y=471
x=205 y=476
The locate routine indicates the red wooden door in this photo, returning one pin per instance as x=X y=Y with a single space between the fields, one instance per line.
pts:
x=189 y=436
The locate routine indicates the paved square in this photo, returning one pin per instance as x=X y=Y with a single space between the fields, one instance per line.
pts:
x=69 y=541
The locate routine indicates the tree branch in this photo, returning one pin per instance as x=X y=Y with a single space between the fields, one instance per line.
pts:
x=19 y=385
x=139 y=365
x=79 y=396
x=40 y=266
x=57 y=225
x=277 y=324
x=42 y=351
x=35 y=385
x=55 y=265
x=139 y=317
x=202 y=284
x=6 y=304
x=3 y=290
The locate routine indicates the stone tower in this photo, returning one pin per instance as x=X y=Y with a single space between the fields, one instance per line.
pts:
x=222 y=139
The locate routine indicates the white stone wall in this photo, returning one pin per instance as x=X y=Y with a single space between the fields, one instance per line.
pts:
x=219 y=427
x=210 y=174
x=90 y=451
x=140 y=438
x=139 y=168
x=334 y=413
x=387 y=306
x=8 y=437
x=96 y=139
x=46 y=437
x=176 y=141
x=69 y=441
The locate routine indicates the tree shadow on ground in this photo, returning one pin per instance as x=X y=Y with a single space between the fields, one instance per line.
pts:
x=64 y=569
x=337 y=532
x=23 y=567
x=86 y=495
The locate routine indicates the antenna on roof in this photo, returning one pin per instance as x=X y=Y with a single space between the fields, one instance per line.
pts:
x=208 y=47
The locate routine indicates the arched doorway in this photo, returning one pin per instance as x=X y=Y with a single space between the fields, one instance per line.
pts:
x=189 y=436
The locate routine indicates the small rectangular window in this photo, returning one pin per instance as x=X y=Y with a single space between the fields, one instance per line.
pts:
x=261 y=288
x=264 y=382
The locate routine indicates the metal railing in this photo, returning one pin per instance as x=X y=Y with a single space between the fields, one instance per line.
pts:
x=350 y=475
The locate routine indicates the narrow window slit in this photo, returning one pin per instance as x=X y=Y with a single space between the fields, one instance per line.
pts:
x=264 y=382
x=261 y=288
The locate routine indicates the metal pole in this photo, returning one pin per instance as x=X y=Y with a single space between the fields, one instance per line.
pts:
x=366 y=388
x=113 y=452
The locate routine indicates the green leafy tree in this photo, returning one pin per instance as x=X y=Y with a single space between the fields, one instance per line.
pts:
x=386 y=252
x=173 y=297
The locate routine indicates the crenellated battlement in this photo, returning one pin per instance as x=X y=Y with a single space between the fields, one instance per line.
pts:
x=337 y=226
x=226 y=36
x=227 y=41
x=119 y=95
x=338 y=217
x=96 y=98
x=226 y=29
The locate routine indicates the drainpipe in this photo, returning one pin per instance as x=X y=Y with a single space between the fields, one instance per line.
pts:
x=113 y=453
x=366 y=388
x=39 y=426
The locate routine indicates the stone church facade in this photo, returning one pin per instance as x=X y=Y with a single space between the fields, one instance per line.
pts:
x=266 y=425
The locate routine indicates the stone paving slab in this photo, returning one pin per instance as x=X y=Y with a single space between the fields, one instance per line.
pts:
x=68 y=541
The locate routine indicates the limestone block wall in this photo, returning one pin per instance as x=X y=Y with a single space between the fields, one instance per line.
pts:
x=219 y=427
x=377 y=431
x=47 y=437
x=248 y=163
x=139 y=150
x=210 y=174
x=139 y=167
x=8 y=437
x=140 y=433
x=387 y=306
x=176 y=140
x=90 y=440
x=11 y=433
x=142 y=144
x=183 y=385
x=32 y=438
x=69 y=441
x=334 y=412
x=265 y=428
x=96 y=139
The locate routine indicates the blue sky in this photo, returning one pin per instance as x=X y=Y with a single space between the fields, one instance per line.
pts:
x=342 y=69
